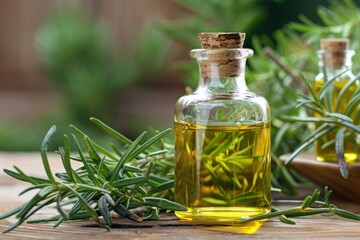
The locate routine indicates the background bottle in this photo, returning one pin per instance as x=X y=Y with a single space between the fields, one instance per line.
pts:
x=334 y=60
x=222 y=137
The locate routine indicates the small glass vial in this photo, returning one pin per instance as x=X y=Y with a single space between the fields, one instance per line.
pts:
x=334 y=60
x=222 y=137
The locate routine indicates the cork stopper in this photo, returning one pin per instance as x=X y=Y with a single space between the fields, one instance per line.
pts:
x=334 y=51
x=334 y=44
x=223 y=62
x=218 y=40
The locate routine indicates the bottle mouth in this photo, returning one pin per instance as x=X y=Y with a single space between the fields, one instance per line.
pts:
x=226 y=53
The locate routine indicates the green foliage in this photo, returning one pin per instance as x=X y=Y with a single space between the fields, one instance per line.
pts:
x=87 y=68
x=80 y=61
x=277 y=86
x=21 y=136
x=214 y=16
x=339 y=20
x=120 y=180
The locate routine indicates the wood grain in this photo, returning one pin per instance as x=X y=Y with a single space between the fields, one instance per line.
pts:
x=314 y=227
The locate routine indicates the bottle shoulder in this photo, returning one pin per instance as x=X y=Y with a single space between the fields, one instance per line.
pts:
x=345 y=76
x=238 y=98
x=246 y=106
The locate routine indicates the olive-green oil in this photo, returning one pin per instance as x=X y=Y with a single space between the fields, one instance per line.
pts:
x=222 y=173
x=351 y=148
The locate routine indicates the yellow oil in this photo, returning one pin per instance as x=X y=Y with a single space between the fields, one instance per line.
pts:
x=222 y=173
x=351 y=148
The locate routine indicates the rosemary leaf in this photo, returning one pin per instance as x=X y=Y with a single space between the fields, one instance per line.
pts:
x=125 y=156
x=344 y=90
x=347 y=214
x=79 y=216
x=44 y=157
x=85 y=205
x=98 y=147
x=326 y=90
x=64 y=215
x=162 y=187
x=283 y=218
x=214 y=201
x=65 y=157
x=111 y=131
x=325 y=120
x=156 y=153
x=163 y=203
x=340 y=117
x=149 y=143
x=339 y=149
x=117 y=151
x=92 y=188
x=286 y=220
x=103 y=207
x=12 y=212
x=91 y=150
x=306 y=202
x=132 y=169
x=33 y=202
x=314 y=197
x=122 y=211
x=58 y=222
x=352 y=105
x=21 y=176
x=310 y=141
x=129 y=181
x=29 y=214
x=33 y=187
x=91 y=174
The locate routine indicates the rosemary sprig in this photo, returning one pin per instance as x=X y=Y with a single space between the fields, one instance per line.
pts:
x=331 y=120
x=309 y=206
x=120 y=182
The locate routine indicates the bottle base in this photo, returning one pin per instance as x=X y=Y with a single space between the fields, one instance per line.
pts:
x=220 y=214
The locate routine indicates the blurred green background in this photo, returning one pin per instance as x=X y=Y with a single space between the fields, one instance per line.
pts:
x=126 y=62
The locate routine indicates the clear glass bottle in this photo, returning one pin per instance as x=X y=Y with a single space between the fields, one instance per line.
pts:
x=334 y=60
x=222 y=142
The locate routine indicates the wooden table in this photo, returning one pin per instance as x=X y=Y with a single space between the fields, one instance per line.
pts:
x=314 y=227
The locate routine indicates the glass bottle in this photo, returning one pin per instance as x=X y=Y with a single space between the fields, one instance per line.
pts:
x=335 y=62
x=222 y=138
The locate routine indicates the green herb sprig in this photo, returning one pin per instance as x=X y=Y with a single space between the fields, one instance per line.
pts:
x=309 y=206
x=123 y=181
x=331 y=119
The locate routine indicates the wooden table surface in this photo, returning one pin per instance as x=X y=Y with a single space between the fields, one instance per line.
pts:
x=312 y=227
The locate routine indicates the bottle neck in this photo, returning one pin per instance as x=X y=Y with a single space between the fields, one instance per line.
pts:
x=215 y=84
x=335 y=63
x=222 y=72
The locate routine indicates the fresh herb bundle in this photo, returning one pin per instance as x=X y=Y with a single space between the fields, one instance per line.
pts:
x=128 y=182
